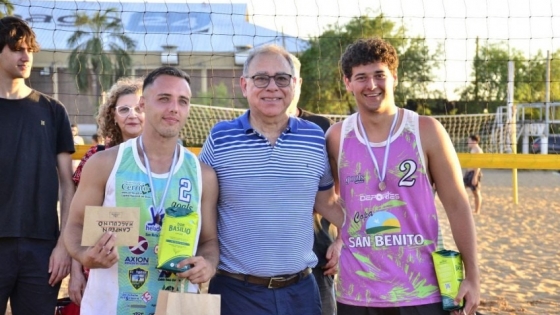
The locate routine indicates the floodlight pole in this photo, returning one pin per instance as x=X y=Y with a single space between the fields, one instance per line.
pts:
x=544 y=137
x=512 y=118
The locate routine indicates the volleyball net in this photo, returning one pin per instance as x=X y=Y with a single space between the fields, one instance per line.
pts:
x=453 y=57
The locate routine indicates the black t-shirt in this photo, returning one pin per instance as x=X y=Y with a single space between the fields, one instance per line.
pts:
x=322 y=239
x=34 y=130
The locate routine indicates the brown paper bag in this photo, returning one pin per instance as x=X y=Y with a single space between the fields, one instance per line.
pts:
x=181 y=303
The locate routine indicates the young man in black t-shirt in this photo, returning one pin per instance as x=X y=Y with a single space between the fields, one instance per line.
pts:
x=35 y=162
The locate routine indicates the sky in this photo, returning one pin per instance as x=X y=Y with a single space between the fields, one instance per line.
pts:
x=526 y=25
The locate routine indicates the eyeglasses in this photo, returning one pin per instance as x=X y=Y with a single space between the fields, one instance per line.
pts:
x=125 y=110
x=263 y=80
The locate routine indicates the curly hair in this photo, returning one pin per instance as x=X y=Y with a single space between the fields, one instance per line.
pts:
x=368 y=50
x=106 y=116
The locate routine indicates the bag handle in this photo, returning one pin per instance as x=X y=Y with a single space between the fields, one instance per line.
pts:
x=181 y=285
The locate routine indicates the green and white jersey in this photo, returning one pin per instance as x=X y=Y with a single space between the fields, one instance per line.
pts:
x=131 y=286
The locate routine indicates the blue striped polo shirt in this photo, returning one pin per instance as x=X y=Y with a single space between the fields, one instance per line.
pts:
x=267 y=193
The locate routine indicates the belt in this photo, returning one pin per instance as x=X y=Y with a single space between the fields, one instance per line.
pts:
x=271 y=282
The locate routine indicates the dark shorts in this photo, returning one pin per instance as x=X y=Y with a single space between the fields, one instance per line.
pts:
x=428 y=309
x=326 y=290
x=467 y=180
x=241 y=298
x=24 y=276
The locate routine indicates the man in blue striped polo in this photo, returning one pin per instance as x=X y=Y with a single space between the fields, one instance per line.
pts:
x=272 y=171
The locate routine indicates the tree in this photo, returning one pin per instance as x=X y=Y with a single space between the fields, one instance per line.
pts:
x=490 y=73
x=218 y=96
x=532 y=82
x=100 y=46
x=488 y=87
x=323 y=89
x=7 y=8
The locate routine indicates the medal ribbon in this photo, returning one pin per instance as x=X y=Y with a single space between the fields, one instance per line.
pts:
x=380 y=175
x=158 y=210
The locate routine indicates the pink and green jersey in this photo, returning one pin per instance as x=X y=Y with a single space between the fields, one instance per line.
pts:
x=131 y=286
x=389 y=234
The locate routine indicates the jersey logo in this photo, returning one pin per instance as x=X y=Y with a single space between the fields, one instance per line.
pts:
x=137 y=277
x=383 y=221
x=155 y=224
x=384 y=230
x=355 y=179
x=139 y=248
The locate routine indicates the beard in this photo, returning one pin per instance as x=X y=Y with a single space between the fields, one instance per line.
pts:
x=169 y=132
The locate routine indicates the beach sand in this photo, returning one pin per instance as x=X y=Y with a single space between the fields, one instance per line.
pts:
x=518 y=245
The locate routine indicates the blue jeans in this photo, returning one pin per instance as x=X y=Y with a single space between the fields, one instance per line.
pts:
x=24 y=276
x=241 y=298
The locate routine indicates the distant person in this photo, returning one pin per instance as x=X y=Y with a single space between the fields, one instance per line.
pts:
x=384 y=161
x=96 y=140
x=152 y=172
x=323 y=242
x=35 y=162
x=273 y=171
x=121 y=119
x=78 y=140
x=473 y=176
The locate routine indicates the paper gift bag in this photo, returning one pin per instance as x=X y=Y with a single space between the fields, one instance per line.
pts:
x=182 y=303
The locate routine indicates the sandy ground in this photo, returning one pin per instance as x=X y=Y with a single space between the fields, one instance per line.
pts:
x=517 y=244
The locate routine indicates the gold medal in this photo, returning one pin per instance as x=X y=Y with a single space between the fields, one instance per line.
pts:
x=382 y=186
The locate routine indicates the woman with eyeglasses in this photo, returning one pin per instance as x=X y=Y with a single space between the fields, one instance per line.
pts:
x=119 y=119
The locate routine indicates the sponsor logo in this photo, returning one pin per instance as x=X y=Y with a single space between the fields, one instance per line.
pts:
x=146 y=297
x=179 y=205
x=387 y=240
x=164 y=275
x=380 y=197
x=137 y=277
x=169 y=22
x=356 y=179
x=143 y=261
x=155 y=224
x=129 y=297
x=384 y=231
x=139 y=248
x=135 y=189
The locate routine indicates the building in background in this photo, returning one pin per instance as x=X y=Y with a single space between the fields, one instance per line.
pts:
x=208 y=41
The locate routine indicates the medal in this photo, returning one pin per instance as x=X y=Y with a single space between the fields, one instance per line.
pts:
x=382 y=186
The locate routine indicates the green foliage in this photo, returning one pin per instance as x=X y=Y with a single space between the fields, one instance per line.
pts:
x=415 y=70
x=218 y=95
x=100 y=51
x=490 y=76
x=323 y=89
x=7 y=8
x=490 y=73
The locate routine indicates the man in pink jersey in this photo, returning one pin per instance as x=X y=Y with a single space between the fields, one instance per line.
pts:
x=385 y=161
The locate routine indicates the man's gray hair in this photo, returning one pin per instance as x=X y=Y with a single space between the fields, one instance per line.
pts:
x=268 y=50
